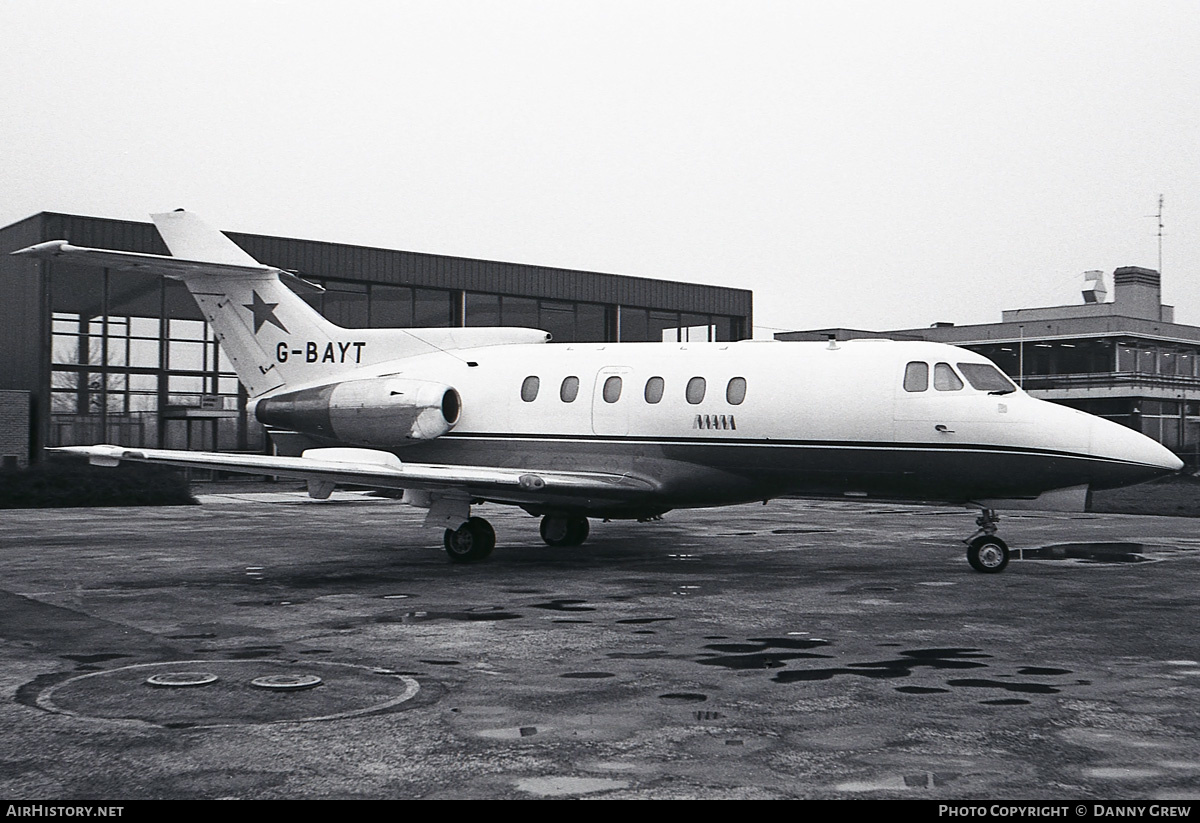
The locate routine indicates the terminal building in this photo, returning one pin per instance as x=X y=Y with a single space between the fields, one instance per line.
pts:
x=99 y=356
x=1125 y=359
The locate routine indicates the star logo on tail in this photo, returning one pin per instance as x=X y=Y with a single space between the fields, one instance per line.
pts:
x=263 y=312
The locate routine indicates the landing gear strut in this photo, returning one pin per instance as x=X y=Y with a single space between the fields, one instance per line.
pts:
x=564 y=530
x=985 y=552
x=470 y=542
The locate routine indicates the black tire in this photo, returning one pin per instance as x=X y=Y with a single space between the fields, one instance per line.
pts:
x=988 y=554
x=558 y=530
x=471 y=542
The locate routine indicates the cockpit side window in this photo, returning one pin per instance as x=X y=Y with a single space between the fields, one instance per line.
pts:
x=986 y=377
x=916 y=376
x=944 y=378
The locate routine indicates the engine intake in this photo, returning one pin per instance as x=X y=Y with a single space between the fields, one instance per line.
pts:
x=383 y=411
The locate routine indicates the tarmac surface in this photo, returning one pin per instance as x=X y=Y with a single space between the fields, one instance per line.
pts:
x=794 y=650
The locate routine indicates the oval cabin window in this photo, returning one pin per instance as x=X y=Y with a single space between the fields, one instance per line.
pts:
x=735 y=392
x=695 y=390
x=654 y=389
x=569 y=389
x=612 y=389
x=529 y=389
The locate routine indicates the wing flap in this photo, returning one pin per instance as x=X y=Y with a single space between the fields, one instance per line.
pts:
x=368 y=467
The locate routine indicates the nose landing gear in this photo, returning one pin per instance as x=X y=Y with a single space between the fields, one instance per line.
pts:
x=985 y=552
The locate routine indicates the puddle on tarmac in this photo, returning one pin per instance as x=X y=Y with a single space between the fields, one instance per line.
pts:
x=562 y=605
x=759 y=653
x=683 y=697
x=587 y=675
x=1090 y=552
x=803 y=531
x=469 y=616
x=903 y=666
x=638 y=621
x=779 y=653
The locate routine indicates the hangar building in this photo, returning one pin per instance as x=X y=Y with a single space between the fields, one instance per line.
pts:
x=99 y=356
x=1125 y=359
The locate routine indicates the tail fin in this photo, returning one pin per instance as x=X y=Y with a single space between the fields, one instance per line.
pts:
x=270 y=335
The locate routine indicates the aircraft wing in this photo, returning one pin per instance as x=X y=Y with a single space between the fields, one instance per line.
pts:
x=370 y=467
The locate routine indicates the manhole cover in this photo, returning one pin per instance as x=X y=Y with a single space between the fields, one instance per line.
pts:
x=181 y=679
x=286 y=682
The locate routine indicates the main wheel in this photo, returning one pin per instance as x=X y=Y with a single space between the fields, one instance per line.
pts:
x=471 y=542
x=988 y=554
x=559 y=530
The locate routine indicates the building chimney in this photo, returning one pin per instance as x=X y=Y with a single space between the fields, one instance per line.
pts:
x=1137 y=292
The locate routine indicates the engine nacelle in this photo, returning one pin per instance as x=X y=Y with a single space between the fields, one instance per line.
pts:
x=382 y=411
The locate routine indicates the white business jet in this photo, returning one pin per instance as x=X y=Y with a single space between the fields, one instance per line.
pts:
x=459 y=416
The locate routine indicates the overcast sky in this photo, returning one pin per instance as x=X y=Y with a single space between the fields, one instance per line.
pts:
x=871 y=165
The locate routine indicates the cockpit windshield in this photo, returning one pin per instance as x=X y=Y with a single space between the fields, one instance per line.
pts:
x=984 y=377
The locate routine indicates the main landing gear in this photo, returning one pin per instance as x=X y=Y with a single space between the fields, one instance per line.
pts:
x=564 y=530
x=474 y=540
x=470 y=542
x=985 y=552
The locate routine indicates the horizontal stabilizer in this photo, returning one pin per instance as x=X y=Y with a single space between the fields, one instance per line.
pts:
x=166 y=266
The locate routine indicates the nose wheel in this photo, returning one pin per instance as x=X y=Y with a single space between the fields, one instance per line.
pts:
x=987 y=553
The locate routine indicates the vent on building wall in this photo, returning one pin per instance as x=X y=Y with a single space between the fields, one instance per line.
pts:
x=1094 y=290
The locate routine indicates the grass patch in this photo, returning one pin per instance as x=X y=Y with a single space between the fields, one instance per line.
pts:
x=69 y=483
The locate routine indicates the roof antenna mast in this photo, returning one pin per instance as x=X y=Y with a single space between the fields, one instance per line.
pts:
x=1160 y=232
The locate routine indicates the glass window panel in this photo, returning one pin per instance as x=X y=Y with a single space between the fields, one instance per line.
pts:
x=612 y=389
x=529 y=388
x=186 y=329
x=391 y=307
x=346 y=305
x=1146 y=361
x=735 y=392
x=1166 y=362
x=519 y=311
x=983 y=377
x=483 y=309
x=431 y=308
x=916 y=377
x=118 y=351
x=60 y=379
x=143 y=327
x=559 y=320
x=944 y=378
x=569 y=389
x=635 y=325
x=186 y=356
x=65 y=349
x=185 y=383
x=695 y=390
x=654 y=389
x=1126 y=358
x=143 y=353
x=143 y=382
x=589 y=323
x=64 y=402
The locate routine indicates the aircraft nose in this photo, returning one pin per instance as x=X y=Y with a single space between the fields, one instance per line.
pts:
x=1134 y=456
